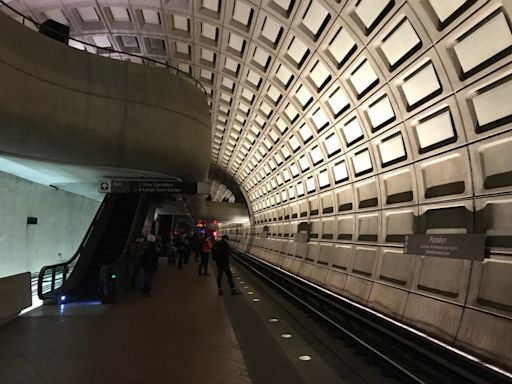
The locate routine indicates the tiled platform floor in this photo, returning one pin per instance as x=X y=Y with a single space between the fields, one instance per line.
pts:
x=180 y=335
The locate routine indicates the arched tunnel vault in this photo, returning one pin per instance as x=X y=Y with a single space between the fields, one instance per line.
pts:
x=223 y=178
x=368 y=120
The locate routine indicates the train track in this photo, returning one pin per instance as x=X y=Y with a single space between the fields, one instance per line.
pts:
x=409 y=354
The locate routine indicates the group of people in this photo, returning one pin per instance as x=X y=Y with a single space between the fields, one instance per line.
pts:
x=180 y=247
x=145 y=251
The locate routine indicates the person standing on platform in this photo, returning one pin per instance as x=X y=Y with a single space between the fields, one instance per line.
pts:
x=180 y=244
x=136 y=251
x=172 y=251
x=179 y=247
x=206 y=247
x=187 y=247
x=159 y=246
x=196 y=245
x=221 y=251
x=149 y=263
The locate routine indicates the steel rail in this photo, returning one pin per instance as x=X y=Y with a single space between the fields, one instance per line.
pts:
x=332 y=322
x=259 y=267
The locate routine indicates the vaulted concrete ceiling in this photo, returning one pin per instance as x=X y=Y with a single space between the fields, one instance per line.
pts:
x=308 y=94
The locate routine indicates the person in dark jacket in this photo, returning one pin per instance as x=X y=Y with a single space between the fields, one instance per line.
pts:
x=196 y=245
x=149 y=263
x=180 y=246
x=136 y=251
x=183 y=250
x=187 y=248
x=221 y=252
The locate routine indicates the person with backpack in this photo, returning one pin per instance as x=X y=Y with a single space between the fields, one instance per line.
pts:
x=206 y=247
x=220 y=252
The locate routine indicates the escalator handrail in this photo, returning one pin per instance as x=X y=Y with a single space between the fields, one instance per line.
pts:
x=178 y=71
x=129 y=238
x=73 y=258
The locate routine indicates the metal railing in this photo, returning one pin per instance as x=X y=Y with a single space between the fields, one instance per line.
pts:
x=178 y=72
x=53 y=277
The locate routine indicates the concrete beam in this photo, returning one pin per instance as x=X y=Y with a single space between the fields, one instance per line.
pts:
x=63 y=105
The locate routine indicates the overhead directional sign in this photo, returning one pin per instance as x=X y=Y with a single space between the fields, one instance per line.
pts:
x=104 y=186
x=151 y=186
x=468 y=246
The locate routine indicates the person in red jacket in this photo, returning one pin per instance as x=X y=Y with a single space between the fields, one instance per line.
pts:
x=206 y=247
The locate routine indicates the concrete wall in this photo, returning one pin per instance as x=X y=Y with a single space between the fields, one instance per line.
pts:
x=64 y=105
x=221 y=211
x=63 y=219
x=433 y=154
x=15 y=295
x=463 y=303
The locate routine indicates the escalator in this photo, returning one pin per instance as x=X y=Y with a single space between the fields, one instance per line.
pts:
x=118 y=221
x=111 y=244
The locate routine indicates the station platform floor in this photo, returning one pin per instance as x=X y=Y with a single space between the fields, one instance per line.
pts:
x=184 y=333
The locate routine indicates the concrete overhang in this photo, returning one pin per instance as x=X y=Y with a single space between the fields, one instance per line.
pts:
x=83 y=114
